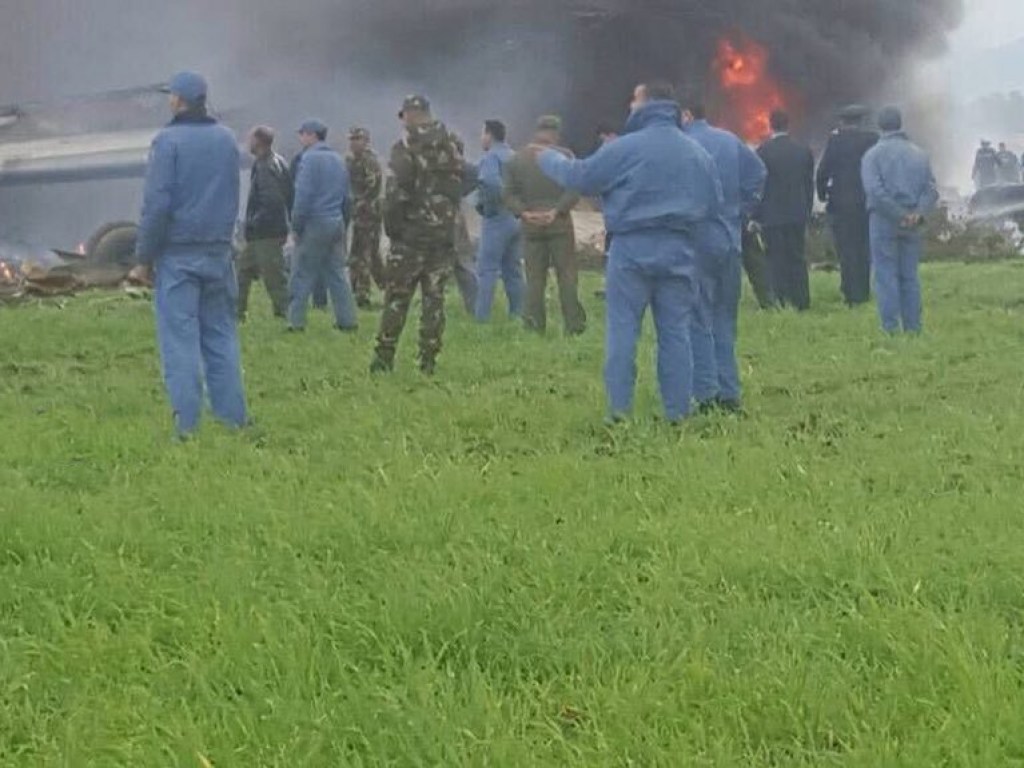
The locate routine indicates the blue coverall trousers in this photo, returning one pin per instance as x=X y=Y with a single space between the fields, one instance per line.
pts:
x=500 y=255
x=895 y=256
x=320 y=255
x=650 y=269
x=716 y=375
x=196 y=296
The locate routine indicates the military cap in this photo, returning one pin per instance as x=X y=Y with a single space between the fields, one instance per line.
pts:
x=549 y=123
x=358 y=133
x=313 y=126
x=854 y=112
x=189 y=86
x=416 y=103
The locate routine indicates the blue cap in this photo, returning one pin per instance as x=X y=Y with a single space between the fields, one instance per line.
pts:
x=313 y=126
x=890 y=119
x=189 y=86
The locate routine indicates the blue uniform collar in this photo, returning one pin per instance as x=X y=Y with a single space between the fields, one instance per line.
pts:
x=654 y=113
x=193 y=117
x=891 y=135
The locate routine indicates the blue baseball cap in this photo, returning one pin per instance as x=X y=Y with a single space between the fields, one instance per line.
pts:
x=188 y=86
x=313 y=126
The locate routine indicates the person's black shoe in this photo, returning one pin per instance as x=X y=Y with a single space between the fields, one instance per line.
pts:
x=293 y=329
x=427 y=367
x=347 y=328
x=379 y=365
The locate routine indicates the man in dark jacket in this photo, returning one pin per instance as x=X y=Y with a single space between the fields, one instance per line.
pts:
x=189 y=210
x=785 y=211
x=319 y=220
x=840 y=186
x=266 y=224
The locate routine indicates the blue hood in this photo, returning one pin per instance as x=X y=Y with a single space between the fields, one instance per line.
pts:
x=654 y=113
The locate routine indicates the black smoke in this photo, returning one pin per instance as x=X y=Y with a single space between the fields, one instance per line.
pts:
x=352 y=61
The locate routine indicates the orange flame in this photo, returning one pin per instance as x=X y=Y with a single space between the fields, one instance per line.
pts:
x=751 y=92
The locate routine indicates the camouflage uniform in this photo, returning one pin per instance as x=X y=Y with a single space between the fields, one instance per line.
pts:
x=421 y=204
x=364 y=262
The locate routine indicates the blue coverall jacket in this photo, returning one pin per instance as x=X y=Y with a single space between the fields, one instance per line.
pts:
x=662 y=202
x=188 y=220
x=321 y=187
x=192 y=188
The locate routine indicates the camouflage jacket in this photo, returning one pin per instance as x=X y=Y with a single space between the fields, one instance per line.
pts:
x=424 y=188
x=367 y=181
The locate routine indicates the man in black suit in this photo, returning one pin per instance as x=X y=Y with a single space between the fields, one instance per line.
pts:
x=784 y=212
x=840 y=186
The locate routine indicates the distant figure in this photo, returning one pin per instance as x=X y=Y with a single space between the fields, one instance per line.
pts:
x=1009 y=166
x=716 y=375
x=840 y=186
x=319 y=220
x=901 y=191
x=986 y=167
x=549 y=239
x=189 y=210
x=785 y=211
x=365 y=266
x=421 y=206
x=501 y=242
x=659 y=190
x=271 y=193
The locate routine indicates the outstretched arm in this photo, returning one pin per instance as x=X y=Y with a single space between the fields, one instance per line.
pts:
x=590 y=177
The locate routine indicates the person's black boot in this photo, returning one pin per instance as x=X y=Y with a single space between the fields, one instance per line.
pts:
x=379 y=365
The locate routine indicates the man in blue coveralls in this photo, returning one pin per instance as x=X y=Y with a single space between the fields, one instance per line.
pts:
x=716 y=375
x=188 y=218
x=660 y=193
x=319 y=218
x=901 y=191
x=501 y=241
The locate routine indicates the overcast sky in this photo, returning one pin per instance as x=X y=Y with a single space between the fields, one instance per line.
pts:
x=990 y=23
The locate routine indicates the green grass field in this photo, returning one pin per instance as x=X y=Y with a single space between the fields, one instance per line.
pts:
x=473 y=571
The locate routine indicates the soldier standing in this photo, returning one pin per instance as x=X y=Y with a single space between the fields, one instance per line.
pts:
x=986 y=166
x=840 y=186
x=367 y=179
x=1009 y=167
x=421 y=204
x=271 y=193
x=545 y=209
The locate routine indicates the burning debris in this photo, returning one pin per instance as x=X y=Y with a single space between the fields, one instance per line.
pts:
x=750 y=92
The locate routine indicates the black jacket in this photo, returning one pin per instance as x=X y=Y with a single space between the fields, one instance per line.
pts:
x=271 y=194
x=789 y=190
x=839 y=178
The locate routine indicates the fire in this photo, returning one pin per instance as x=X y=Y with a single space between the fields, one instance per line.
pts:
x=751 y=91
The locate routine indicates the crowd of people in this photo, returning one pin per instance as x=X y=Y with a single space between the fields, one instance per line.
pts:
x=996 y=167
x=680 y=199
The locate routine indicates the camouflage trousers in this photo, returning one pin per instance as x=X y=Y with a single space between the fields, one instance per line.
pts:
x=263 y=259
x=365 y=266
x=423 y=264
